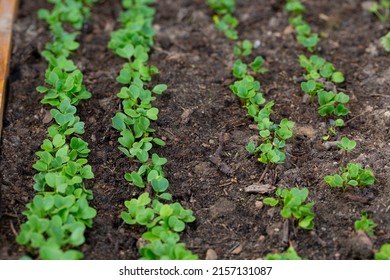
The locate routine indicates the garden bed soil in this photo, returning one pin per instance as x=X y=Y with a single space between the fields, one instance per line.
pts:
x=198 y=114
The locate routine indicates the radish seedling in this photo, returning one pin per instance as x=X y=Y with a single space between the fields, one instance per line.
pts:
x=354 y=175
x=293 y=207
x=290 y=254
x=384 y=253
x=381 y=10
x=224 y=19
x=385 y=41
x=365 y=224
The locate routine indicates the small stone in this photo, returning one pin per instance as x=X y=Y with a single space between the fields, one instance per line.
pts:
x=256 y=44
x=47 y=118
x=259 y=188
x=307 y=131
x=211 y=255
x=306 y=99
x=330 y=144
x=237 y=250
x=259 y=204
x=261 y=238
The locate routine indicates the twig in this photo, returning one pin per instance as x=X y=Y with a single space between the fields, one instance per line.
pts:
x=262 y=175
x=380 y=95
x=364 y=113
x=13 y=228
x=285 y=231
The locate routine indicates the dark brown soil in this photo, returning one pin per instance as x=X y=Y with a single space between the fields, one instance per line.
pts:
x=197 y=114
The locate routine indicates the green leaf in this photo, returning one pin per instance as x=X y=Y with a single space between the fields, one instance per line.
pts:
x=270 y=201
x=337 y=77
x=160 y=185
x=166 y=211
x=159 y=89
x=158 y=141
x=118 y=122
x=137 y=179
x=126 y=52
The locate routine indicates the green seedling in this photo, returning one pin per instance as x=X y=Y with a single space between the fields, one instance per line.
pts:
x=222 y=7
x=365 y=224
x=227 y=25
x=294 y=6
x=304 y=35
x=346 y=144
x=352 y=176
x=272 y=137
x=319 y=71
x=381 y=10
x=293 y=207
x=290 y=254
x=257 y=65
x=243 y=49
x=332 y=129
x=384 y=253
x=164 y=221
x=224 y=19
x=164 y=245
x=332 y=104
x=64 y=85
x=385 y=41
x=317 y=68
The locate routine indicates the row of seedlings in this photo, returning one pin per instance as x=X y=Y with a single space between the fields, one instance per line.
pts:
x=272 y=136
x=382 y=10
x=59 y=213
x=152 y=209
x=320 y=82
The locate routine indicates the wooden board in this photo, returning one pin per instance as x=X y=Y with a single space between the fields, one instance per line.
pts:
x=7 y=14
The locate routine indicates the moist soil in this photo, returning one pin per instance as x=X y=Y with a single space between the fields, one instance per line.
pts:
x=201 y=120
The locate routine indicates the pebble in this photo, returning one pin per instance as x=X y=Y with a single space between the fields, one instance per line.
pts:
x=211 y=255
x=237 y=250
x=259 y=204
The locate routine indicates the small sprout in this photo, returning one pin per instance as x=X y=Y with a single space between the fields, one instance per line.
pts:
x=227 y=25
x=381 y=10
x=293 y=207
x=384 y=253
x=243 y=49
x=385 y=41
x=222 y=6
x=346 y=144
x=239 y=69
x=257 y=64
x=294 y=6
x=290 y=254
x=352 y=176
x=365 y=224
